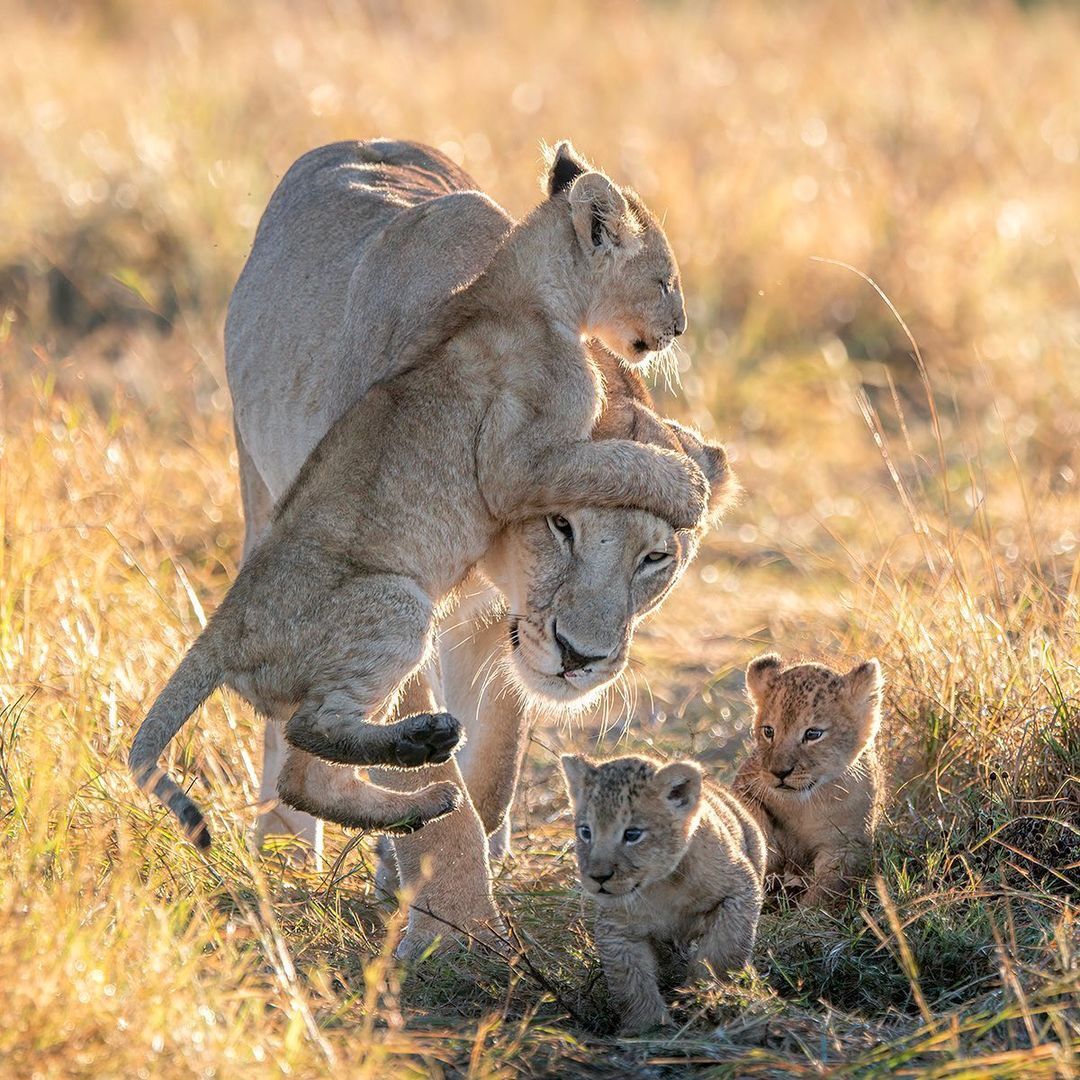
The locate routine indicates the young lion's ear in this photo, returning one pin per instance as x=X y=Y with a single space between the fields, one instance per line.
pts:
x=680 y=785
x=564 y=166
x=576 y=770
x=864 y=684
x=604 y=223
x=712 y=460
x=761 y=676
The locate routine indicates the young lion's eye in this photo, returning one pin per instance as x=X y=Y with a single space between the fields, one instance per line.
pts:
x=665 y=286
x=584 y=832
x=767 y=731
x=632 y=836
x=812 y=734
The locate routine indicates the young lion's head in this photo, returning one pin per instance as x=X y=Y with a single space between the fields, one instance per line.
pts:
x=637 y=307
x=811 y=724
x=633 y=819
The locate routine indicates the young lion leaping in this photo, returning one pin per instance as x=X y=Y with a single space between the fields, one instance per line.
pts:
x=487 y=423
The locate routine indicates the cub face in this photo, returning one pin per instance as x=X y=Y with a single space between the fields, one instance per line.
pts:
x=633 y=820
x=811 y=723
x=638 y=308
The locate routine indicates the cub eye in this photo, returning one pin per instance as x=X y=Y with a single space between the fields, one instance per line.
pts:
x=584 y=832
x=656 y=558
x=768 y=732
x=561 y=527
x=632 y=836
x=812 y=734
x=666 y=285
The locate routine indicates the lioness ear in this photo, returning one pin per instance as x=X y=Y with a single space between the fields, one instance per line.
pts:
x=564 y=166
x=576 y=770
x=602 y=217
x=680 y=785
x=761 y=676
x=712 y=460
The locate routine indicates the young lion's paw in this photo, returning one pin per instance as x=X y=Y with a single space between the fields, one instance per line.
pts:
x=690 y=496
x=427 y=739
x=428 y=933
x=433 y=802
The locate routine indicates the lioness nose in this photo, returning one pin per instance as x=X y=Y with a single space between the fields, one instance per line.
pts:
x=601 y=878
x=782 y=774
x=572 y=658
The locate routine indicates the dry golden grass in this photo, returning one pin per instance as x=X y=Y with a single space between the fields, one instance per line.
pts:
x=927 y=512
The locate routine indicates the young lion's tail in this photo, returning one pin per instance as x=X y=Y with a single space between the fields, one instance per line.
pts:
x=191 y=684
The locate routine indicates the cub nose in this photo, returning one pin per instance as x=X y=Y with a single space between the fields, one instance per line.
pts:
x=572 y=658
x=601 y=878
x=782 y=774
x=680 y=324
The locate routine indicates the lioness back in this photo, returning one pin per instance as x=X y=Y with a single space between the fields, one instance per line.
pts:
x=812 y=777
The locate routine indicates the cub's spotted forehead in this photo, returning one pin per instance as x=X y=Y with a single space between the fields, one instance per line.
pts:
x=616 y=784
x=799 y=689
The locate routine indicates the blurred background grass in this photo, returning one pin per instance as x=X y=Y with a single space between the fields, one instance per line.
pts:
x=927 y=513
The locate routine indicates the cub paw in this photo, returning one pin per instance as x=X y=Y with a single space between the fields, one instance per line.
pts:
x=641 y=1022
x=427 y=739
x=438 y=800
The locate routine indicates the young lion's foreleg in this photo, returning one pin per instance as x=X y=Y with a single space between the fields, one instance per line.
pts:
x=379 y=634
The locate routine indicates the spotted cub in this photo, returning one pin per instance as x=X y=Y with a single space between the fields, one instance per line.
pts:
x=812 y=778
x=676 y=873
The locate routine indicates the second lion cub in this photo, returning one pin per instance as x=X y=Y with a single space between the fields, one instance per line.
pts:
x=676 y=872
x=813 y=779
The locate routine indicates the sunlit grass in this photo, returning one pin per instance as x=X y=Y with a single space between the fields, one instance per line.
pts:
x=927 y=513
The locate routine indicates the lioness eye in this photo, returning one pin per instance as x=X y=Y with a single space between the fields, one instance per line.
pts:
x=767 y=732
x=561 y=527
x=632 y=836
x=584 y=832
x=812 y=734
x=655 y=558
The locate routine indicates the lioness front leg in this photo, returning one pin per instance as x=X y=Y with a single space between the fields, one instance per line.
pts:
x=445 y=865
x=609 y=472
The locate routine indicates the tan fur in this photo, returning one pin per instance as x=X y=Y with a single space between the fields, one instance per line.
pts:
x=685 y=897
x=819 y=801
x=486 y=425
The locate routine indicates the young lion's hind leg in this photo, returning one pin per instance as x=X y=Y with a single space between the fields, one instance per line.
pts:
x=337 y=794
x=381 y=634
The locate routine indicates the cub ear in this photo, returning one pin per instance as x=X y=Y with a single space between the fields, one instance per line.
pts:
x=761 y=676
x=604 y=223
x=576 y=770
x=680 y=785
x=564 y=166
x=712 y=460
x=864 y=684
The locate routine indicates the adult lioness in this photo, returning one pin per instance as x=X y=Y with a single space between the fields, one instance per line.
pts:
x=335 y=610
x=360 y=245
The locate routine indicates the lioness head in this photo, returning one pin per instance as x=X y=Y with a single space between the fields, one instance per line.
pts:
x=639 y=309
x=577 y=584
x=811 y=724
x=633 y=820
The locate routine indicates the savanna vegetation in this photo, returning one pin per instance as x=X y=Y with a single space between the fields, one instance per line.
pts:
x=906 y=426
